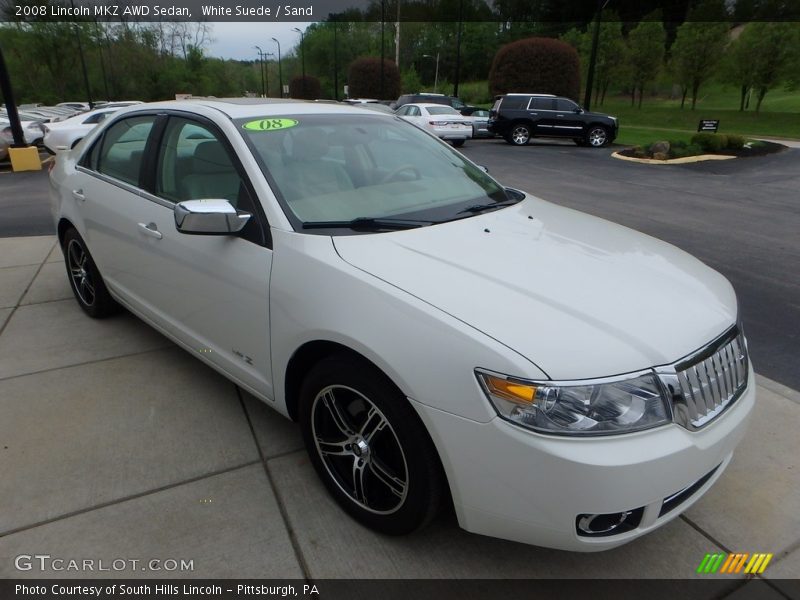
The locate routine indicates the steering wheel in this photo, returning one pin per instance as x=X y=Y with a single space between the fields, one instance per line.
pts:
x=401 y=169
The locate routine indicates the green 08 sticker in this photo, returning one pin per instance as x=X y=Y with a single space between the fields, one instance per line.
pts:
x=269 y=124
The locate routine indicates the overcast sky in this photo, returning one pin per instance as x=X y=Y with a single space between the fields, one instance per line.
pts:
x=236 y=40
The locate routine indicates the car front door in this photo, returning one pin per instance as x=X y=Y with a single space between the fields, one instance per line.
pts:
x=212 y=290
x=567 y=120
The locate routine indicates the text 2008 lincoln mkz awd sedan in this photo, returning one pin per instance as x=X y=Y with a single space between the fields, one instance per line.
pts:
x=566 y=381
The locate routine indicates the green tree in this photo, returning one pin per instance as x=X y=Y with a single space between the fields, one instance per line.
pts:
x=699 y=46
x=775 y=56
x=738 y=66
x=645 y=53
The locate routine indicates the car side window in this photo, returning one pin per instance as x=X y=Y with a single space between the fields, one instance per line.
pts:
x=514 y=102
x=96 y=118
x=122 y=150
x=402 y=111
x=413 y=111
x=565 y=105
x=541 y=104
x=195 y=164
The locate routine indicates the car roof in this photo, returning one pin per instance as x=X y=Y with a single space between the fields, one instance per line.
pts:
x=429 y=105
x=524 y=94
x=240 y=108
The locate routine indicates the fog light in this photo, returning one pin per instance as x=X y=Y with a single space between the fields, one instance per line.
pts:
x=600 y=525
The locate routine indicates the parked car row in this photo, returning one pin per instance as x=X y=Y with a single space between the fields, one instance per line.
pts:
x=517 y=118
x=56 y=127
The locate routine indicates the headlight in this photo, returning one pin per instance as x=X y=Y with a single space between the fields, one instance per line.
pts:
x=602 y=407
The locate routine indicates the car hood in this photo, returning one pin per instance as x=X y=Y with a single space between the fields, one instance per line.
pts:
x=577 y=295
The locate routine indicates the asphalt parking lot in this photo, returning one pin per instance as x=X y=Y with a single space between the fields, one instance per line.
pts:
x=115 y=443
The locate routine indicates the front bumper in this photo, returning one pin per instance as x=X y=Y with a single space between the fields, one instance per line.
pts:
x=511 y=483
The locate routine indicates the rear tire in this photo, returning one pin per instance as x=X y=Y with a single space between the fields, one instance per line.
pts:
x=458 y=143
x=519 y=135
x=369 y=447
x=84 y=278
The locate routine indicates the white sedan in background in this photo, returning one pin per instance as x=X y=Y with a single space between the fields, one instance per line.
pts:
x=440 y=120
x=345 y=268
x=33 y=131
x=66 y=134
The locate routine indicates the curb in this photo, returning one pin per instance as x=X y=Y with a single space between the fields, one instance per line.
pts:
x=778 y=388
x=673 y=161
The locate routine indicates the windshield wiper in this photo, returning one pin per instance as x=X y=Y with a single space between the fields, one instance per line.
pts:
x=478 y=208
x=367 y=224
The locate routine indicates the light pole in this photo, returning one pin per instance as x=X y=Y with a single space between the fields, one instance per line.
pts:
x=302 y=57
x=11 y=105
x=436 y=77
x=280 y=69
x=261 y=68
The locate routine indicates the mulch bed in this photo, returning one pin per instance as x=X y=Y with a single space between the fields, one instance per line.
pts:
x=762 y=149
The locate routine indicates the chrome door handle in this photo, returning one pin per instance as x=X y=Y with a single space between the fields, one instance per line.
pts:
x=150 y=229
x=78 y=195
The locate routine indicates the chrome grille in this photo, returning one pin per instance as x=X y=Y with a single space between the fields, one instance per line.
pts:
x=705 y=384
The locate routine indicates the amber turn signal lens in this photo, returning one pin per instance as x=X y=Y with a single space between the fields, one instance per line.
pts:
x=516 y=392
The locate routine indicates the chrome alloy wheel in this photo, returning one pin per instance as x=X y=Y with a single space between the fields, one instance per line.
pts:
x=77 y=262
x=520 y=135
x=597 y=137
x=359 y=449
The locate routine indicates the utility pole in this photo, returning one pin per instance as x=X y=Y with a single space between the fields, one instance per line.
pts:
x=587 y=95
x=11 y=104
x=261 y=68
x=102 y=61
x=397 y=38
x=335 y=59
x=383 y=49
x=280 y=69
x=83 y=60
x=458 y=46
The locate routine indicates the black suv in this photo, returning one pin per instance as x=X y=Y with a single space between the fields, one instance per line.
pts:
x=519 y=117
x=456 y=103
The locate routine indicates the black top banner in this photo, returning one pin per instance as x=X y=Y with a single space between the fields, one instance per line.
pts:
x=501 y=11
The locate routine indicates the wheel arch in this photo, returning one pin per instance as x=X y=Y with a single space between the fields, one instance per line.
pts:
x=64 y=224
x=305 y=357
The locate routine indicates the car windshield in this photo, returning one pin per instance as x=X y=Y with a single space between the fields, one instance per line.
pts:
x=442 y=110
x=339 y=168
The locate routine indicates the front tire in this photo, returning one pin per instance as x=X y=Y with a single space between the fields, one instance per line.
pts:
x=519 y=135
x=597 y=137
x=458 y=143
x=369 y=447
x=84 y=278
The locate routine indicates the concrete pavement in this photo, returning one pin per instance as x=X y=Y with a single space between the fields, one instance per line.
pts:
x=115 y=444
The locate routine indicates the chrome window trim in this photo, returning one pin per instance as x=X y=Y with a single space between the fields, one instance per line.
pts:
x=123 y=185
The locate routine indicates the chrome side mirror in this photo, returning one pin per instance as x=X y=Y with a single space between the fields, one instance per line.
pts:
x=209 y=217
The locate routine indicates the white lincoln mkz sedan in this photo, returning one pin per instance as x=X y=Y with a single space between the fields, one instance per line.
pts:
x=559 y=379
